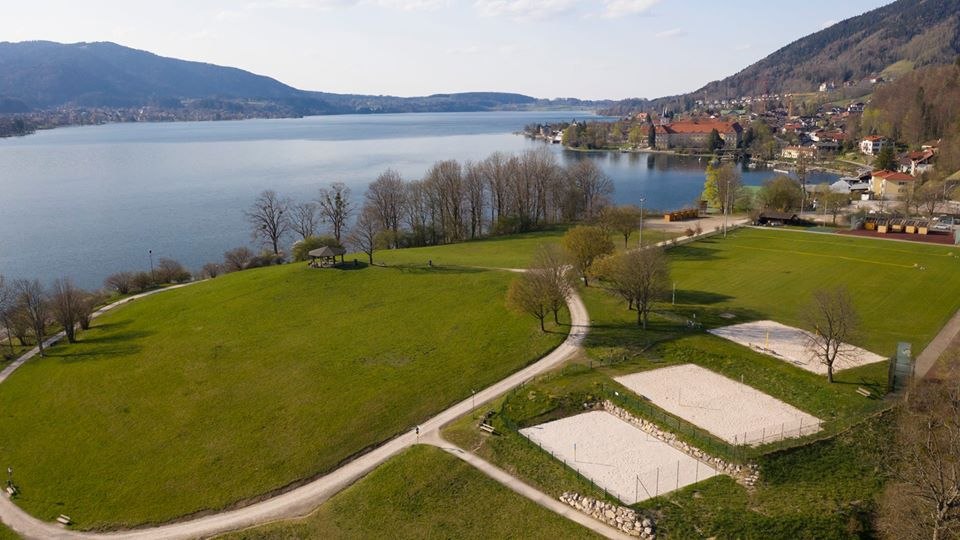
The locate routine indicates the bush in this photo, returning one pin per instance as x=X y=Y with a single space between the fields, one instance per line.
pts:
x=143 y=281
x=211 y=270
x=171 y=271
x=237 y=259
x=266 y=258
x=310 y=243
x=121 y=282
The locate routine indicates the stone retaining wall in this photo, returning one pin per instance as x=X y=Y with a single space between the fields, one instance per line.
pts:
x=618 y=517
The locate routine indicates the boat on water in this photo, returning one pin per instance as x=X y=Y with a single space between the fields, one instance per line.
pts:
x=781 y=171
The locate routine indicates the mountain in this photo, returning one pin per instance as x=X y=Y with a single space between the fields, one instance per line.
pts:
x=40 y=75
x=887 y=41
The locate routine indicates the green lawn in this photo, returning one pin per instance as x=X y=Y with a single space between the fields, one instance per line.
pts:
x=771 y=274
x=7 y=534
x=499 y=252
x=194 y=399
x=424 y=493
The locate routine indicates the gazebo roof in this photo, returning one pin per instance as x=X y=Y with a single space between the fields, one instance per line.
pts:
x=327 y=251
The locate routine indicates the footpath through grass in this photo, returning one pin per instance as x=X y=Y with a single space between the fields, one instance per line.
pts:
x=195 y=399
x=424 y=493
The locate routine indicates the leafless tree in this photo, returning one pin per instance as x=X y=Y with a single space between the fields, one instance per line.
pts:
x=387 y=195
x=88 y=305
x=8 y=302
x=304 y=219
x=923 y=498
x=496 y=172
x=553 y=270
x=476 y=196
x=33 y=301
x=834 y=320
x=171 y=271
x=269 y=219
x=211 y=270
x=66 y=306
x=366 y=232
x=336 y=207
x=237 y=259
x=621 y=219
x=527 y=294
x=592 y=187
x=639 y=276
x=122 y=282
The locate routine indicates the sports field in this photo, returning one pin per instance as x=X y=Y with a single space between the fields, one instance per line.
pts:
x=904 y=292
x=198 y=398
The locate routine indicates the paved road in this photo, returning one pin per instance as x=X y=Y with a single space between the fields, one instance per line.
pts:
x=937 y=347
x=301 y=501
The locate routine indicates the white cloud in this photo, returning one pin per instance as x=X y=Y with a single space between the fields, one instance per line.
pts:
x=673 y=32
x=622 y=8
x=471 y=49
x=411 y=5
x=743 y=47
x=524 y=9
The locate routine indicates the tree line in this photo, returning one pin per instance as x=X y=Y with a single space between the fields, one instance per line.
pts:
x=452 y=202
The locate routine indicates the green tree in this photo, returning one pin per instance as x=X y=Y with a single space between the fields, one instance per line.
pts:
x=722 y=186
x=527 y=294
x=885 y=159
x=780 y=193
x=639 y=276
x=714 y=141
x=585 y=244
x=621 y=219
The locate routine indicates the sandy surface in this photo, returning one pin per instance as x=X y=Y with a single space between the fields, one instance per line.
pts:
x=628 y=463
x=792 y=345
x=735 y=412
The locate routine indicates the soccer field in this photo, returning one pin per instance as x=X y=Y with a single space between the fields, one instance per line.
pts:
x=904 y=292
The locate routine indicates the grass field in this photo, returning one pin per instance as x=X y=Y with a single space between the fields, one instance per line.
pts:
x=424 y=493
x=771 y=275
x=197 y=398
x=7 y=534
x=505 y=252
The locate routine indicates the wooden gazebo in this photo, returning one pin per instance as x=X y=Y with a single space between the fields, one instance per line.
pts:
x=327 y=255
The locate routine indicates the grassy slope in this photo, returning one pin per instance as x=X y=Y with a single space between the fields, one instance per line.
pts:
x=424 y=493
x=197 y=398
x=509 y=252
x=7 y=534
x=771 y=274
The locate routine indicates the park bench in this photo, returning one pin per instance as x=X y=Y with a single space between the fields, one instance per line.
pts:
x=65 y=520
x=863 y=391
x=488 y=428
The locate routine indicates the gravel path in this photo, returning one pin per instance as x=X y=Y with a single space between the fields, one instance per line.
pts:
x=303 y=500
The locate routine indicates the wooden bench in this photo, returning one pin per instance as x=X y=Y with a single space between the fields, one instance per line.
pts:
x=488 y=428
x=65 y=520
x=863 y=391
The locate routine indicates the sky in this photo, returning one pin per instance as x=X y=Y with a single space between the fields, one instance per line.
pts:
x=590 y=49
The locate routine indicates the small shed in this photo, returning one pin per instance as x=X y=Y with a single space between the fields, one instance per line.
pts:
x=326 y=255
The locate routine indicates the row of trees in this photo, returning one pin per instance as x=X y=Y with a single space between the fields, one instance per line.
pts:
x=502 y=194
x=28 y=309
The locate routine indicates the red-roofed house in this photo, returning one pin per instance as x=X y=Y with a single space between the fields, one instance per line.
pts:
x=917 y=162
x=889 y=185
x=696 y=134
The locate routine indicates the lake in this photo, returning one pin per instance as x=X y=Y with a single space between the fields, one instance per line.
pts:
x=85 y=202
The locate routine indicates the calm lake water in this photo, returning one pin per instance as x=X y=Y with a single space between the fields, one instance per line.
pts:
x=89 y=201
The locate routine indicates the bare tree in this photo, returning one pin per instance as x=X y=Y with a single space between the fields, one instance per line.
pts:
x=592 y=186
x=387 y=194
x=476 y=196
x=122 y=282
x=621 y=219
x=304 y=219
x=639 y=276
x=336 y=207
x=237 y=259
x=66 y=306
x=366 y=231
x=834 y=320
x=171 y=271
x=33 y=301
x=269 y=219
x=550 y=265
x=8 y=302
x=211 y=270
x=88 y=305
x=585 y=244
x=527 y=294
x=923 y=498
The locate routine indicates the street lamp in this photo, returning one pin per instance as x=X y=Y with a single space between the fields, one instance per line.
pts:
x=641 y=221
x=150 y=252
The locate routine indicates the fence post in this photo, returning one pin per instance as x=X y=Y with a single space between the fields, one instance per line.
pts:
x=657 y=490
x=678 y=474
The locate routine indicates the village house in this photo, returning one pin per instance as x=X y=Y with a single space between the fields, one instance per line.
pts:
x=917 y=163
x=872 y=145
x=890 y=185
x=794 y=152
x=696 y=134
